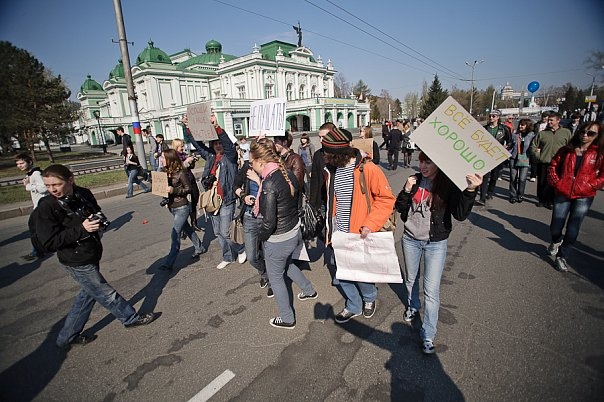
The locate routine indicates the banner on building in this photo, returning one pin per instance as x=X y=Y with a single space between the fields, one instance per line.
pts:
x=198 y=116
x=457 y=143
x=267 y=117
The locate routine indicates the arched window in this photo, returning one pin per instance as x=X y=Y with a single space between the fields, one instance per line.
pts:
x=289 y=91
x=313 y=91
x=302 y=93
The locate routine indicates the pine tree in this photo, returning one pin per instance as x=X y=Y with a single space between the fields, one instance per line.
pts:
x=436 y=95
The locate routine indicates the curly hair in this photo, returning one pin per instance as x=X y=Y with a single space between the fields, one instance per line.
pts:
x=340 y=159
x=173 y=162
x=264 y=149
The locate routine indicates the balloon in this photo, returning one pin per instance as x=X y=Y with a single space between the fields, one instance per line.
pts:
x=533 y=86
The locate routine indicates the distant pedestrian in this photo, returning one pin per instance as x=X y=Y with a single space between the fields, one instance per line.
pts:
x=501 y=133
x=133 y=167
x=160 y=147
x=576 y=173
x=126 y=140
x=34 y=184
x=538 y=127
x=367 y=133
x=544 y=147
x=68 y=222
x=385 y=135
x=306 y=150
x=408 y=146
x=394 y=145
x=426 y=204
x=519 y=161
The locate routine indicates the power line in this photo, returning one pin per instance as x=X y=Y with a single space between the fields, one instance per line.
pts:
x=327 y=37
x=396 y=40
x=375 y=37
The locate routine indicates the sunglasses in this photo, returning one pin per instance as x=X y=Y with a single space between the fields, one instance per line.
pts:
x=493 y=115
x=589 y=133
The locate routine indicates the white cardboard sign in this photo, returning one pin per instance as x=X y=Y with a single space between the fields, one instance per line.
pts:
x=457 y=143
x=198 y=116
x=267 y=117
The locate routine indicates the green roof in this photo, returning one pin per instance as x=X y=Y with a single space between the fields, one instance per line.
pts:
x=212 y=57
x=153 y=54
x=269 y=50
x=90 y=85
x=118 y=70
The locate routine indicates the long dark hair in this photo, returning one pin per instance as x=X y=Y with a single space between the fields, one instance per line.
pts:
x=173 y=162
x=575 y=141
x=441 y=185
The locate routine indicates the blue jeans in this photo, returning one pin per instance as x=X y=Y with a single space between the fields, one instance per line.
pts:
x=435 y=254
x=181 y=214
x=94 y=288
x=251 y=226
x=517 y=180
x=221 y=224
x=575 y=210
x=357 y=293
x=278 y=259
x=133 y=179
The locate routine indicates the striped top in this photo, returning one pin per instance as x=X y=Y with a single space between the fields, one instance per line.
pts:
x=343 y=185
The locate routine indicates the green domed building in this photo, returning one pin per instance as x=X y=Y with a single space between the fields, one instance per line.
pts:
x=166 y=84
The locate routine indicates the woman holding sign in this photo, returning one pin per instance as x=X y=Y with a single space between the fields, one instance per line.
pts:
x=179 y=186
x=426 y=204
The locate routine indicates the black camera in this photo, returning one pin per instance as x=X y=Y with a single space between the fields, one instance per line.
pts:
x=164 y=202
x=208 y=181
x=103 y=221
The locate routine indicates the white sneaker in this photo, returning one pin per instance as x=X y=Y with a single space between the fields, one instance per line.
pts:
x=223 y=264
x=532 y=179
x=242 y=257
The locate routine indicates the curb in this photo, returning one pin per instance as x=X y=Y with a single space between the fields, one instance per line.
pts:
x=24 y=209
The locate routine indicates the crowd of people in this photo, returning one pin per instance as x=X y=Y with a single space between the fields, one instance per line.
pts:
x=264 y=184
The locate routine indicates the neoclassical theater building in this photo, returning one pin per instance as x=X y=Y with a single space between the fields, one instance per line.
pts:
x=166 y=84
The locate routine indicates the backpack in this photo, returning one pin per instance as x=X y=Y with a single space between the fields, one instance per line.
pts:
x=35 y=240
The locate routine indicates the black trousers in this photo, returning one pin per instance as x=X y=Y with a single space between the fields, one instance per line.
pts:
x=393 y=158
x=545 y=194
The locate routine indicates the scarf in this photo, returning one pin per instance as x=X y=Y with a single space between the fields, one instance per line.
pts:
x=266 y=171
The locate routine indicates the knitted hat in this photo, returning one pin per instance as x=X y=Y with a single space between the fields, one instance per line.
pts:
x=336 y=141
x=495 y=112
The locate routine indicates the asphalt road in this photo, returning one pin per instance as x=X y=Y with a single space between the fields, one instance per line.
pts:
x=510 y=326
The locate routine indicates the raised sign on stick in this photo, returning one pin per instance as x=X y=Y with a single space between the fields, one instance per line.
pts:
x=457 y=143
x=267 y=117
x=198 y=116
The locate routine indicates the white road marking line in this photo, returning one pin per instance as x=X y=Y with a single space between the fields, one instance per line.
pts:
x=213 y=387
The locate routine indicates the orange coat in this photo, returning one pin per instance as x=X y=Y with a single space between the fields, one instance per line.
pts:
x=380 y=196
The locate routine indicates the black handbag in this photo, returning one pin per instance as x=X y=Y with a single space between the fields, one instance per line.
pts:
x=312 y=221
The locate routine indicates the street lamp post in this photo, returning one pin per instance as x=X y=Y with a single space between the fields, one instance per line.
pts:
x=101 y=135
x=473 y=66
x=593 y=82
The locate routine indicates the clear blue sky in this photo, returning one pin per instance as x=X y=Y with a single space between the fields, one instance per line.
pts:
x=520 y=41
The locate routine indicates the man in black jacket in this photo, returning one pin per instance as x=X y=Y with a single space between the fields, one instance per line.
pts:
x=318 y=193
x=68 y=222
x=394 y=145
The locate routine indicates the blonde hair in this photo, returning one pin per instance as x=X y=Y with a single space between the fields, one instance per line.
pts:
x=177 y=142
x=264 y=149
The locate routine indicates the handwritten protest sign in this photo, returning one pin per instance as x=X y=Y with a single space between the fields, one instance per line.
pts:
x=267 y=117
x=159 y=183
x=363 y=144
x=457 y=143
x=199 y=121
x=366 y=260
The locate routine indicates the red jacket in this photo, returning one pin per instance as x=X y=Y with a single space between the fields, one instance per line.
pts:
x=590 y=178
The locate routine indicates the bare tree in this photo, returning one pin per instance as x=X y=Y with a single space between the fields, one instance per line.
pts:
x=342 y=87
